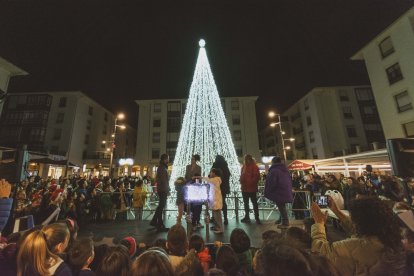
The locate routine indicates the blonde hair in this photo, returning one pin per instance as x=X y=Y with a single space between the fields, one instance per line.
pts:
x=38 y=248
x=34 y=252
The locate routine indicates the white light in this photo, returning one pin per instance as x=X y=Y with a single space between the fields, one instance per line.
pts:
x=202 y=43
x=271 y=114
x=287 y=148
x=127 y=161
x=204 y=129
x=267 y=159
x=120 y=116
x=122 y=127
x=273 y=124
x=291 y=139
x=283 y=133
x=103 y=142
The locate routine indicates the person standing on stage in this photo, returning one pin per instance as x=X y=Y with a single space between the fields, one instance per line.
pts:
x=278 y=188
x=163 y=188
x=192 y=172
x=249 y=177
x=220 y=163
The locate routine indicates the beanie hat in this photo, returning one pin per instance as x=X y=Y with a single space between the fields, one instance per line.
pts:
x=131 y=245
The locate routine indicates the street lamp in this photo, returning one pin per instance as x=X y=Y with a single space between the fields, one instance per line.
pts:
x=272 y=114
x=110 y=149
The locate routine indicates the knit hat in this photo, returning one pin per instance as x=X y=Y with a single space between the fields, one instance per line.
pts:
x=131 y=244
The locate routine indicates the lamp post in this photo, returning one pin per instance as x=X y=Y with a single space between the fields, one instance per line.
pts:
x=282 y=139
x=120 y=116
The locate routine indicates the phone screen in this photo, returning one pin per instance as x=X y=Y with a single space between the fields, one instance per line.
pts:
x=322 y=201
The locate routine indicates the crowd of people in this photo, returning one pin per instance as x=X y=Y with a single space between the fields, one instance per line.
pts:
x=377 y=242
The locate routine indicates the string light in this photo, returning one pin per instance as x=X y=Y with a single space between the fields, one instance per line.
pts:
x=205 y=130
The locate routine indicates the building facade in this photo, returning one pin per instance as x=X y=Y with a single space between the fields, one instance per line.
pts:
x=332 y=121
x=159 y=126
x=67 y=124
x=389 y=60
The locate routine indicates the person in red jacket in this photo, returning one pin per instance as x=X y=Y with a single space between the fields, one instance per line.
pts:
x=249 y=178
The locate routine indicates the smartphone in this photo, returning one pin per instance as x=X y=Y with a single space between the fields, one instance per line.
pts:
x=322 y=201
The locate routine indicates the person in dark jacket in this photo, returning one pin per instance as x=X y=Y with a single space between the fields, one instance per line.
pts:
x=220 y=163
x=5 y=203
x=278 y=188
x=162 y=190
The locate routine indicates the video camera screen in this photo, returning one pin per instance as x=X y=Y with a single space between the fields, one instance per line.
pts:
x=196 y=193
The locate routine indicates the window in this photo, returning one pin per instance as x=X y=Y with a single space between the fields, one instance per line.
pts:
x=364 y=94
x=90 y=110
x=351 y=131
x=57 y=134
x=409 y=129
x=308 y=121
x=156 y=137
x=174 y=106
x=235 y=105
x=157 y=107
x=369 y=110
x=62 y=101
x=237 y=135
x=173 y=124
x=88 y=124
x=314 y=153
x=236 y=119
x=155 y=153
x=347 y=112
x=394 y=73
x=156 y=123
x=106 y=117
x=86 y=139
x=311 y=137
x=306 y=104
x=239 y=152
x=104 y=130
x=59 y=118
x=403 y=101
x=343 y=96
x=386 y=48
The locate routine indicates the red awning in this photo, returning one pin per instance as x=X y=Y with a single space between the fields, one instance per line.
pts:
x=300 y=165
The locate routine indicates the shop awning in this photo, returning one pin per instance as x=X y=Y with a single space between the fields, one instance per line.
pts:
x=300 y=165
x=46 y=160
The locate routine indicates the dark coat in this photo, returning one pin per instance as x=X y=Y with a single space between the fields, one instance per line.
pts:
x=5 y=207
x=225 y=176
x=162 y=179
x=278 y=187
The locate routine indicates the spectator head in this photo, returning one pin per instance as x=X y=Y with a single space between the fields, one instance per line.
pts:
x=276 y=160
x=239 y=240
x=57 y=196
x=227 y=260
x=73 y=229
x=216 y=272
x=139 y=183
x=164 y=159
x=196 y=242
x=257 y=263
x=34 y=253
x=115 y=262
x=248 y=159
x=215 y=172
x=280 y=258
x=299 y=237
x=270 y=234
x=100 y=252
x=152 y=262
x=161 y=243
x=130 y=244
x=177 y=242
x=21 y=195
x=369 y=214
x=196 y=157
x=57 y=237
x=81 y=254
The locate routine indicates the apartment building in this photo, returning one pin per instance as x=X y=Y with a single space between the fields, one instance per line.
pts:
x=332 y=121
x=68 y=124
x=389 y=59
x=159 y=126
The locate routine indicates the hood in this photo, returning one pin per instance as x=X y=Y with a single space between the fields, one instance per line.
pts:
x=280 y=167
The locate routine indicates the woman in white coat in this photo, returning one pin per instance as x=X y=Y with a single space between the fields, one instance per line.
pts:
x=216 y=202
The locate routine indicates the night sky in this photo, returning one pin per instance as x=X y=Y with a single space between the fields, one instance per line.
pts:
x=119 y=52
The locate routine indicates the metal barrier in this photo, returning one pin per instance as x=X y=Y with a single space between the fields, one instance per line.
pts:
x=234 y=200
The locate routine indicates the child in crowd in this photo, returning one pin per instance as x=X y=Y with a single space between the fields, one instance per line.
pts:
x=197 y=243
x=38 y=253
x=240 y=242
x=162 y=243
x=152 y=262
x=216 y=203
x=139 y=198
x=227 y=260
x=21 y=203
x=300 y=238
x=81 y=256
x=179 y=188
x=115 y=262
x=177 y=245
x=106 y=203
x=131 y=245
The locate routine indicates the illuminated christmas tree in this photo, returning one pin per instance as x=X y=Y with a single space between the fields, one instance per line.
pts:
x=204 y=130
